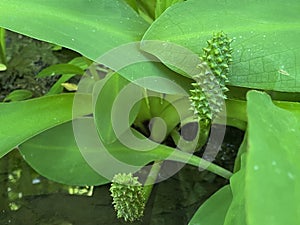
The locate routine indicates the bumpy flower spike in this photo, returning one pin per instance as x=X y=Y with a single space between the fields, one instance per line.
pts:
x=208 y=96
x=128 y=197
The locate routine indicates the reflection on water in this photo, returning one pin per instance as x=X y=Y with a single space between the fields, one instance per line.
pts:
x=172 y=201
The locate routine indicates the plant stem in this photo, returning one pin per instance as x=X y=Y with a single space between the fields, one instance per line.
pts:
x=202 y=164
x=152 y=176
x=206 y=165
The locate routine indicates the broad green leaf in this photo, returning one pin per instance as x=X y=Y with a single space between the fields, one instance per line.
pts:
x=23 y=120
x=92 y=28
x=267 y=166
x=88 y=27
x=237 y=212
x=55 y=155
x=176 y=57
x=214 y=210
x=144 y=69
x=272 y=163
x=265 y=189
x=266 y=47
x=106 y=93
x=59 y=69
x=18 y=95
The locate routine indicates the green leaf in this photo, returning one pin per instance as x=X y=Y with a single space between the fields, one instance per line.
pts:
x=214 y=210
x=55 y=155
x=133 y=4
x=157 y=77
x=272 y=163
x=57 y=88
x=2 y=50
x=66 y=152
x=178 y=58
x=106 y=93
x=162 y=5
x=92 y=28
x=237 y=212
x=23 y=120
x=242 y=150
x=152 y=9
x=265 y=189
x=117 y=104
x=88 y=27
x=18 y=95
x=147 y=9
x=266 y=47
x=59 y=69
x=80 y=62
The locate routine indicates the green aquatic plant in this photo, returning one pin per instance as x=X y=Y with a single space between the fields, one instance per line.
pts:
x=265 y=57
x=128 y=197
